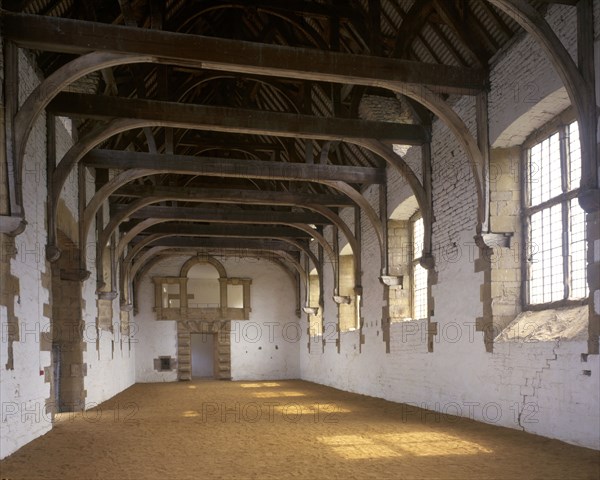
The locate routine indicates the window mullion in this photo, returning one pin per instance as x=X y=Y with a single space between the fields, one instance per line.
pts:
x=565 y=181
x=565 y=249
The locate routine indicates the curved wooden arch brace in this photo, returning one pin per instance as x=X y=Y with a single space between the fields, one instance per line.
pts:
x=581 y=92
x=439 y=107
x=421 y=95
x=132 y=174
x=363 y=203
x=142 y=202
x=416 y=186
x=128 y=262
x=321 y=240
x=145 y=264
x=129 y=258
x=158 y=236
x=74 y=155
x=154 y=221
x=147 y=255
x=99 y=60
x=340 y=224
x=41 y=96
x=107 y=190
x=297 y=23
x=149 y=222
x=128 y=175
x=131 y=234
x=271 y=83
x=203 y=259
x=372 y=215
x=71 y=159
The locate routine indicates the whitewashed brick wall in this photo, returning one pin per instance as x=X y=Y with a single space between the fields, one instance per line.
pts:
x=264 y=347
x=109 y=369
x=538 y=387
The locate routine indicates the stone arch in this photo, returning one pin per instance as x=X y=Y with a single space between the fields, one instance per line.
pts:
x=185 y=269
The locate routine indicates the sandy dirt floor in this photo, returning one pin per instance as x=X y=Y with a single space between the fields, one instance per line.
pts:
x=281 y=430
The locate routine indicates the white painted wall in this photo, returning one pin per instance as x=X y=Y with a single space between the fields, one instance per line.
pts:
x=154 y=338
x=264 y=347
x=536 y=386
x=24 y=391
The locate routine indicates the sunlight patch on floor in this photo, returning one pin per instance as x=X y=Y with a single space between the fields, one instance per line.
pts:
x=418 y=444
x=319 y=410
x=259 y=385
x=431 y=443
x=357 y=447
x=190 y=414
x=278 y=394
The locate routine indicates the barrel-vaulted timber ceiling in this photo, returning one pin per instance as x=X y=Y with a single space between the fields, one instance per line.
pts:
x=247 y=123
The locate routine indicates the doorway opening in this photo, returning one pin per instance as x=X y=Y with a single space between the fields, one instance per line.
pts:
x=203 y=355
x=68 y=367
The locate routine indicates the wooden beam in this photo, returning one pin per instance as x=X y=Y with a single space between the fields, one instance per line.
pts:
x=226 y=243
x=232 y=167
x=249 y=197
x=224 y=214
x=292 y=7
x=193 y=138
x=562 y=2
x=230 y=231
x=470 y=38
x=75 y=36
x=235 y=120
x=412 y=24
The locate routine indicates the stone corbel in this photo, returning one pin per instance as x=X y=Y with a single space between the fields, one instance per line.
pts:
x=12 y=226
x=589 y=199
x=126 y=307
x=310 y=310
x=427 y=261
x=107 y=295
x=74 y=274
x=392 y=280
x=342 y=299
x=52 y=253
x=494 y=239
